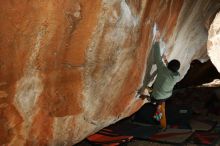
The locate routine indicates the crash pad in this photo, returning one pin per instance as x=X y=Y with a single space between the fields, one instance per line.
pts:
x=172 y=135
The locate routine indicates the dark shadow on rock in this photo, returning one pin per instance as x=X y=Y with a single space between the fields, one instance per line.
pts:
x=198 y=73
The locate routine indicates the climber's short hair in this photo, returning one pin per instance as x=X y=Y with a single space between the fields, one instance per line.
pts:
x=173 y=65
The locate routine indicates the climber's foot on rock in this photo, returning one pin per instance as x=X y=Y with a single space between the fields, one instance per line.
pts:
x=145 y=97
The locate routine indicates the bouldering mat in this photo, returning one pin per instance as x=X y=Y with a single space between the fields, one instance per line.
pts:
x=126 y=131
x=202 y=125
x=172 y=136
x=122 y=132
x=204 y=138
x=129 y=128
x=108 y=139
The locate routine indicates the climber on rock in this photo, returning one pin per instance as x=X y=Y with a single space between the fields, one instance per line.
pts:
x=167 y=77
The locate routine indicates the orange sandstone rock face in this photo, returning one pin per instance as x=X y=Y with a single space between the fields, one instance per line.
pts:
x=69 y=68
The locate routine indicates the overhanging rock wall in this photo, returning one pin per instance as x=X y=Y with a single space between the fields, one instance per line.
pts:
x=71 y=67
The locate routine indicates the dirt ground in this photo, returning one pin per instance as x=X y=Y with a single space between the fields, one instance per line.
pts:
x=139 y=143
x=146 y=143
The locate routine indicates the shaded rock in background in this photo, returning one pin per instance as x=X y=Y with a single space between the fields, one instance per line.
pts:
x=203 y=100
x=198 y=74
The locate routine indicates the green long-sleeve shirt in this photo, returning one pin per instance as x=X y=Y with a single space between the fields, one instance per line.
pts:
x=165 y=80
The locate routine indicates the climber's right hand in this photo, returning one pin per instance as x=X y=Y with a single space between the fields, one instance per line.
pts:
x=157 y=36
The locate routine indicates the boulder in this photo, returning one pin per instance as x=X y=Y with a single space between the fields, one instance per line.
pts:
x=71 y=67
